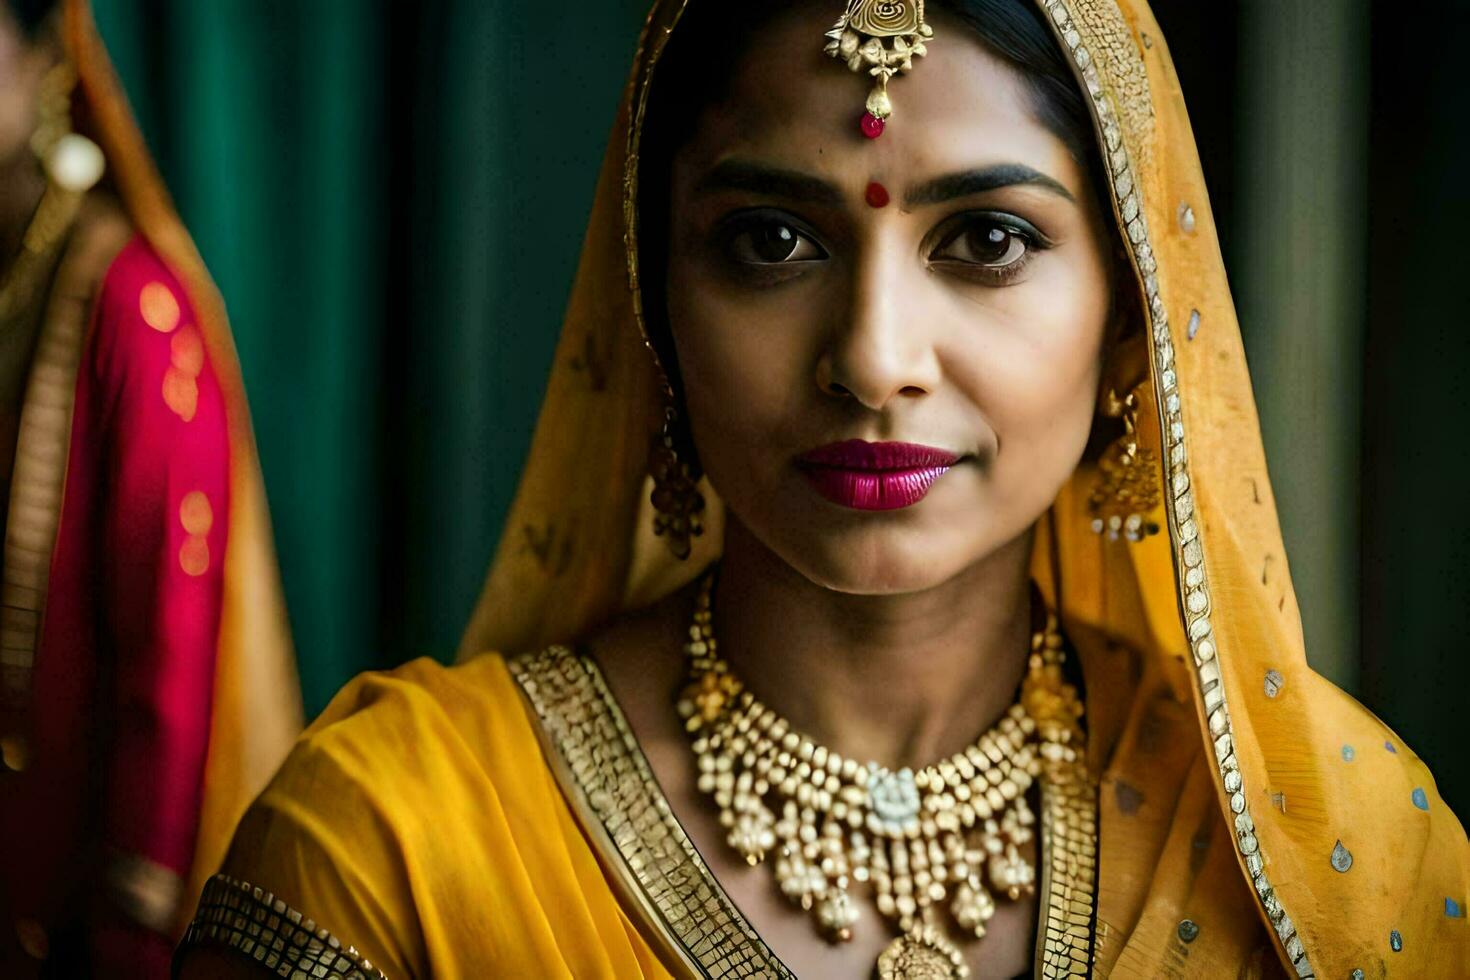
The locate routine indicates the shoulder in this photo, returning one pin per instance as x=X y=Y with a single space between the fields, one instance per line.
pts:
x=399 y=733
x=138 y=292
x=416 y=791
x=146 y=339
x=419 y=793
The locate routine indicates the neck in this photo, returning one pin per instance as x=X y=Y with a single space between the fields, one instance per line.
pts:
x=901 y=680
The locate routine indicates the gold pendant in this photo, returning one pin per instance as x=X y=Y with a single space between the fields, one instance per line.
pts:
x=922 y=953
x=858 y=40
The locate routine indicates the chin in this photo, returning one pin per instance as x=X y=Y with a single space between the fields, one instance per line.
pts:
x=882 y=561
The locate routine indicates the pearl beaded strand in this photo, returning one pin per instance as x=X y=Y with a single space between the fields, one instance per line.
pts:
x=947 y=836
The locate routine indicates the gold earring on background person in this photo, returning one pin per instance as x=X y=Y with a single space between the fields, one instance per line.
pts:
x=1127 y=490
x=73 y=164
x=678 y=506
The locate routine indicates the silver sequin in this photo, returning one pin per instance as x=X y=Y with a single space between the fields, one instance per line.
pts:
x=1186 y=219
x=1342 y=858
x=1274 y=681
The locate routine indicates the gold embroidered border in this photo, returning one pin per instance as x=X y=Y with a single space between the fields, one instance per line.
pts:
x=606 y=772
x=1072 y=29
x=608 y=777
x=254 y=923
x=39 y=475
x=656 y=34
x=1064 y=937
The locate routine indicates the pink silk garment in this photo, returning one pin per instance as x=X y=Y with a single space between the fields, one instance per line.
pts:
x=147 y=681
x=125 y=665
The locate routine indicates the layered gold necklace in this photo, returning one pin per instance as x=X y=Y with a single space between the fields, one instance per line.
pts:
x=949 y=836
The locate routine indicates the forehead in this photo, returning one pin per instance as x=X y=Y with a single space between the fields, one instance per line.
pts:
x=960 y=106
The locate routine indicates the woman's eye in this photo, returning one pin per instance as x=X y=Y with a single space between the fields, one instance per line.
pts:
x=772 y=243
x=985 y=242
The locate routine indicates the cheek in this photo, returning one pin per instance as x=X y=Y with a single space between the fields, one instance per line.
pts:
x=1033 y=369
x=742 y=368
x=19 y=76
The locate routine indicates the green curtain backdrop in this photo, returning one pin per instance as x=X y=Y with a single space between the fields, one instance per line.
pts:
x=392 y=197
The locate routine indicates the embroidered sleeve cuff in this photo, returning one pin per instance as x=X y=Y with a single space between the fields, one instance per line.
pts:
x=251 y=921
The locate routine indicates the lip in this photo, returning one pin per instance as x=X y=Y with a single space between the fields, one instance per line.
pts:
x=875 y=475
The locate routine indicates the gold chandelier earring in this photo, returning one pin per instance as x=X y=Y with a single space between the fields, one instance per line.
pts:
x=678 y=506
x=1127 y=491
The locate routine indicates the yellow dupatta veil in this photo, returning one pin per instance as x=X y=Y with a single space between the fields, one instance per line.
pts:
x=1201 y=707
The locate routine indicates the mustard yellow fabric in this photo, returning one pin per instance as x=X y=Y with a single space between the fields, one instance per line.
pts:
x=419 y=821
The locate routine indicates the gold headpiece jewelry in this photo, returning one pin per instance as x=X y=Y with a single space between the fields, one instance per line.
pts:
x=857 y=38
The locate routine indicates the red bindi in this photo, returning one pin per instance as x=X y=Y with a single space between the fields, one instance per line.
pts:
x=877 y=195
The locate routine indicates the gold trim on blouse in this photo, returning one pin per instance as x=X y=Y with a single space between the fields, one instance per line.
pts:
x=611 y=786
x=255 y=924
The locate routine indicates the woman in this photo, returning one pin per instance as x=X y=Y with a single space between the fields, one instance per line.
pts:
x=951 y=338
x=142 y=624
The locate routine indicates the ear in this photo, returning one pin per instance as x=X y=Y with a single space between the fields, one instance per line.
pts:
x=1125 y=348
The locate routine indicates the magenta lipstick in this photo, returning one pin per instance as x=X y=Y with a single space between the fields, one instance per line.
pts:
x=875 y=475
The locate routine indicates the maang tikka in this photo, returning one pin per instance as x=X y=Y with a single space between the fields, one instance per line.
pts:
x=1127 y=490
x=857 y=38
x=678 y=506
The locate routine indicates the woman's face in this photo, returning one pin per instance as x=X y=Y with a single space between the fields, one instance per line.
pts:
x=23 y=63
x=966 y=316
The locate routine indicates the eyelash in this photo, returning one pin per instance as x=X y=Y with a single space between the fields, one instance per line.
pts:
x=765 y=273
x=948 y=232
x=1015 y=229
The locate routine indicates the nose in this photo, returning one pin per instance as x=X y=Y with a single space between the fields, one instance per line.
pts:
x=878 y=349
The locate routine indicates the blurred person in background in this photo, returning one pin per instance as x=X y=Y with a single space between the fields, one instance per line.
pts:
x=146 y=680
x=973 y=668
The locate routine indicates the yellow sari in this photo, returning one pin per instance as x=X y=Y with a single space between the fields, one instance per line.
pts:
x=498 y=819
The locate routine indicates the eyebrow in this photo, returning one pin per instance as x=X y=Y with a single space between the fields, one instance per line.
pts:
x=741 y=175
x=968 y=182
x=756 y=178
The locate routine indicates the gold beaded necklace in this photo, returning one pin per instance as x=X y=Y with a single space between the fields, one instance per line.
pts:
x=949 y=835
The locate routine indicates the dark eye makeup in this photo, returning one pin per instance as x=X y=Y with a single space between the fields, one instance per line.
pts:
x=766 y=236
x=993 y=247
x=768 y=245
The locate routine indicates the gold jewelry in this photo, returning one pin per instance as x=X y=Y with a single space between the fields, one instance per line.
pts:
x=677 y=503
x=73 y=164
x=1127 y=490
x=53 y=107
x=857 y=38
x=947 y=835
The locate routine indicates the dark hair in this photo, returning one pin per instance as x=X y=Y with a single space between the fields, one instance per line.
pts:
x=698 y=66
x=31 y=15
